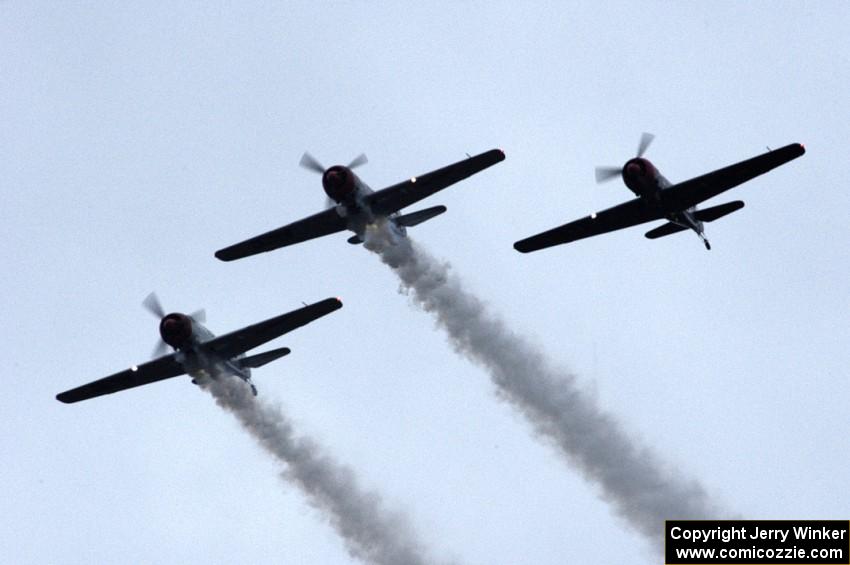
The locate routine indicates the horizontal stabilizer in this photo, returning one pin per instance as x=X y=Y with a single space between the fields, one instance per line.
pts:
x=261 y=359
x=667 y=229
x=415 y=218
x=711 y=214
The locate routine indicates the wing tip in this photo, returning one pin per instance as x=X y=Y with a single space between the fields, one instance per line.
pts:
x=64 y=398
x=223 y=255
x=497 y=154
x=522 y=246
x=332 y=303
x=795 y=149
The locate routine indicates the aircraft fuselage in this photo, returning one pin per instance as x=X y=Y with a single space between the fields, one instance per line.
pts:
x=187 y=336
x=645 y=181
x=349 y=193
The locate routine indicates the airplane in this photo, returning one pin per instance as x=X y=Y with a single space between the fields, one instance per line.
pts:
x=353 y=205
x=658 y=198
x=199 y=353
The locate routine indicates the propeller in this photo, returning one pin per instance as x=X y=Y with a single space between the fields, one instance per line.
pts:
x=604 y=174
x=359 y=160
x=160 y=349
x=607 y=173
x=152 y=304
x=645 y=141
x=309 y=162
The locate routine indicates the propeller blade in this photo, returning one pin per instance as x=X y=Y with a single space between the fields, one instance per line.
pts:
x=645 y=140
x=160 y=349
x=309 y=162
x=199 y=316
x=607 y=173
x=152 y=305
x=359 y=160
x=329 y=203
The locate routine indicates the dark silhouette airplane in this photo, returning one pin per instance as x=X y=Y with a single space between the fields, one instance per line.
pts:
x=658 y=198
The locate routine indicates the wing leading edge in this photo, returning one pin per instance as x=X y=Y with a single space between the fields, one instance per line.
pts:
x=398 y=196
x=234 y=343
x=317 y=225
x=623 y=215
x=150 y=372
x=692 y=192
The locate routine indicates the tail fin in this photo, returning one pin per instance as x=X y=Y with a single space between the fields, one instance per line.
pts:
x=261 y=359
x=667 y=229
x=415 y=218
x=711 y=214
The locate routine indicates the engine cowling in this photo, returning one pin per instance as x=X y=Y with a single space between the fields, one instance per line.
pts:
x=640 y=176
x=339 y=183
x=176 y=330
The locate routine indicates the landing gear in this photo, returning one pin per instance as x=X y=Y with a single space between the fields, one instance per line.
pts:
x=253 y=389
x=707 y=244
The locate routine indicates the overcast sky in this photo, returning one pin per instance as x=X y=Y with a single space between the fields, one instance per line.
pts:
x=137 y=140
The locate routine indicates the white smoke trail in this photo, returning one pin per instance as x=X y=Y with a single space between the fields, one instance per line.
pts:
x=370 y=532
x=640 y=489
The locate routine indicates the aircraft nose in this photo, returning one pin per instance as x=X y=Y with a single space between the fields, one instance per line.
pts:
x=332 y=181
x=170 y=330
x=175 y=330
x=633 y=169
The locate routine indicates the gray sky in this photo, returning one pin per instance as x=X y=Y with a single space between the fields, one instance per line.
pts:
x=136 y=141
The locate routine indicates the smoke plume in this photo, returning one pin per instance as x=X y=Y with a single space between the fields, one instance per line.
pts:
x=628 y=476
x=370 y=533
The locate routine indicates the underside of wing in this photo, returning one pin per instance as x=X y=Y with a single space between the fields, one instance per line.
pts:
x=232 y=344
x=394 y=198
x=621 y=216
x=692 y=192
x=156 y=370
x=317 y=225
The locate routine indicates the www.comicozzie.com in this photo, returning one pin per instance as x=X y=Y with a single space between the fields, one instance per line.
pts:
x=809 y=542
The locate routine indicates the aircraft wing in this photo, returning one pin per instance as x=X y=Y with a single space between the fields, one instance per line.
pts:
x=317 y=225
x=394 y=198
x=692 y=192
x=232 y=344
x=150 y=372
x=621 y=216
